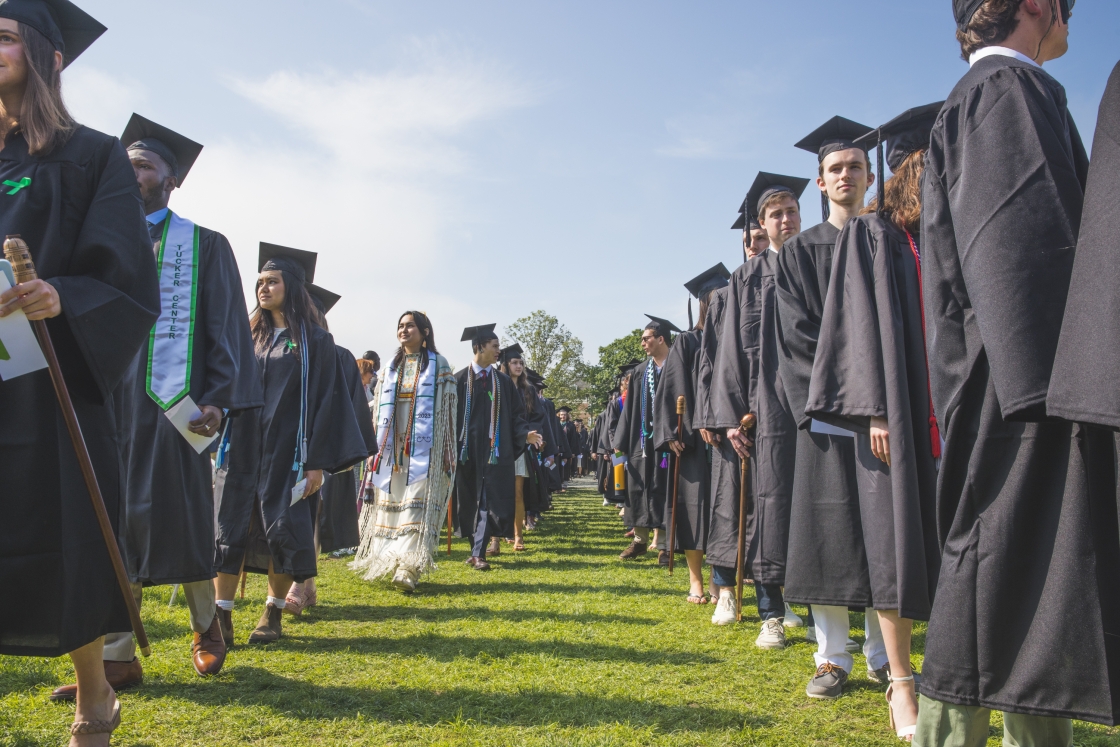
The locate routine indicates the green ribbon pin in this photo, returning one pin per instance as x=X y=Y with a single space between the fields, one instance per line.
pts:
x=17 y=186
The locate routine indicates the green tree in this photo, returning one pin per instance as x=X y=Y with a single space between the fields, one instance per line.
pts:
x=552 y=351
x=601 y=378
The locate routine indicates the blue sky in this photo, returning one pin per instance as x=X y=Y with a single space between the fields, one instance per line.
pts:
x=480 y=160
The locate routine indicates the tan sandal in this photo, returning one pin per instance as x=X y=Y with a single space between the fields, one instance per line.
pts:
x=85 y=728
x=294 y=603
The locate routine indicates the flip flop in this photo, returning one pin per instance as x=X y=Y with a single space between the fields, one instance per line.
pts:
x=697 y=599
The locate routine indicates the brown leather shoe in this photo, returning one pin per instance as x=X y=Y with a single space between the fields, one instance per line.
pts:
x=208 y=651
x=268 y=627
x=225 y=619
x=636 y=549
x=663 y=557
x=121 y=675
x=478 y=564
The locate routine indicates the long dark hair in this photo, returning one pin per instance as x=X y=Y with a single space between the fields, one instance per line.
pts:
x=528 y=391
x=44 y=120
x=428 y=346
x=298 y=314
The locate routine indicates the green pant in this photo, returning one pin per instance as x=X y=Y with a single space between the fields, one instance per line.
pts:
x=947 y=725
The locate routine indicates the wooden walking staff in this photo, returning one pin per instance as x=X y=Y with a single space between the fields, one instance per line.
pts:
x=681 y=403
x=450 y=506
x=745 y=426
x=16 y=252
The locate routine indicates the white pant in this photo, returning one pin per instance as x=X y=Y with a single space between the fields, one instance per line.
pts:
x=832 y=636
x=200 y=600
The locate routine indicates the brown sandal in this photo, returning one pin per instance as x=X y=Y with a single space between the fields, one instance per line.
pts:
x=82 y=728
x=519 y=547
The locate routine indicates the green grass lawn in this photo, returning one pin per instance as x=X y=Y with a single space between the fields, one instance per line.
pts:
x=560 y=645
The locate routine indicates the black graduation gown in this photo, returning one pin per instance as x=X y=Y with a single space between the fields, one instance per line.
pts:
x=167 y=534
x=871 y=361
x=646 y=467
x=745 y=379
x=338 y=509
x=82 y=219
x=1017 y=621
x=723 y=516
x=574 y=448
x=253 y=489
x=556 y=474
x=678 y=379
x=536 y=494
x=827 y=563
x=475 y=473
x=611 y=417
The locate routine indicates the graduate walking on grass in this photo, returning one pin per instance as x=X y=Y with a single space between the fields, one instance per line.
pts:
x=413 y=473
x=199 y=355
x=492 y=435
x=79 y=210
x=274 y=459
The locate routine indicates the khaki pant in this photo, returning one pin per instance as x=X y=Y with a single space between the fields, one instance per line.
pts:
x=200 y=601
x=947 y=725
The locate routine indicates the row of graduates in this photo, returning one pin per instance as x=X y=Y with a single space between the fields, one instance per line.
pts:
x=932 y=433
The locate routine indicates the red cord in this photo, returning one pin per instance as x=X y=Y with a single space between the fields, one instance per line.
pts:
x=934 y=431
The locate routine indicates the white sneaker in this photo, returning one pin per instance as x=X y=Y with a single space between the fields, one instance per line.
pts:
x=811 y=634
x=725 y=610
x=792 y=619
x=852 y=647
x=772 y=636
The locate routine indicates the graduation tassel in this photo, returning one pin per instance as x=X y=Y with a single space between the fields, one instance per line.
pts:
x=825 y=212
x=882 y=174
x=690 y=324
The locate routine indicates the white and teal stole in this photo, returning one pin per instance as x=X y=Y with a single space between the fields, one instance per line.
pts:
x=420 y=435
x=172 y=337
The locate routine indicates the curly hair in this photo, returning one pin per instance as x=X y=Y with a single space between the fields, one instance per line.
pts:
x=902 y=194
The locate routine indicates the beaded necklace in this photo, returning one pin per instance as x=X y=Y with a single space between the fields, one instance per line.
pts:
x=647 y=396
x=495 y=417
x=406 y=444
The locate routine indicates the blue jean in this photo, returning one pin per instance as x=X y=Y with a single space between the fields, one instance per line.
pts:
x=771 y=602
x=482 y=529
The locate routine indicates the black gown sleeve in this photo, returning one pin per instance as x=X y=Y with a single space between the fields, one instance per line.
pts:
x=1084 y=385
x=1015 y=256
x=334 y=441
x=676 y=381
x=736 y=352
x=799 y=312
x=352 y=376
x=110 y=294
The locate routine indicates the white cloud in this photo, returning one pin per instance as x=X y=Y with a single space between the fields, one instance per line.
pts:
x=97 y=99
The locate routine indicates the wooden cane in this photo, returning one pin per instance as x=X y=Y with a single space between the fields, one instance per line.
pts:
x=18 y=254
x=745 y=426
x=681 y=403
x=450 y=505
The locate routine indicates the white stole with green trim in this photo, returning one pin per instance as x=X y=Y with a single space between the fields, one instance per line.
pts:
x=172 y=337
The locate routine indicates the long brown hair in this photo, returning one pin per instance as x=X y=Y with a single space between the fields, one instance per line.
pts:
x=428 y=346
x=298 y=314
x=902 y=194
x=528 y=391
x=44 y=119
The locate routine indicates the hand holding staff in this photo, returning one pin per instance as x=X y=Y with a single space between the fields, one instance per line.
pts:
x=745 y=425
x=681 y=404
x=16 y=252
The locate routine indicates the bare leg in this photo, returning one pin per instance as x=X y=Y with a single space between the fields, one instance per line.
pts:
x=896 y=636
x=278 y=583
x=519 y=512
x=95 y=697
x=695 y=560
x=656 y=537
x=225 y=586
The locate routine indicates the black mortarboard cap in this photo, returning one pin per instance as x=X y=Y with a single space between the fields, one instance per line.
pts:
x=563 y=408
x=481 y=333
x=740 y=223
x=324 y=296
x=964 y=10
x=179 y=152
x=906 y=133
x=835 y=134
x=767 y=184
x=294 y=261
x=514 y=351
x=69 y=28
x=708 y=280
x=662 y=326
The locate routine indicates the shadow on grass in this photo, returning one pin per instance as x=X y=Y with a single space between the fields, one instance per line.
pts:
x=369 y=613
x=251 y=686
x=528 y=587
x=449 y=648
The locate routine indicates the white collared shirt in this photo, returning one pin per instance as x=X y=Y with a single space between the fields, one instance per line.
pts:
x=477 y=369
x=980 y=54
